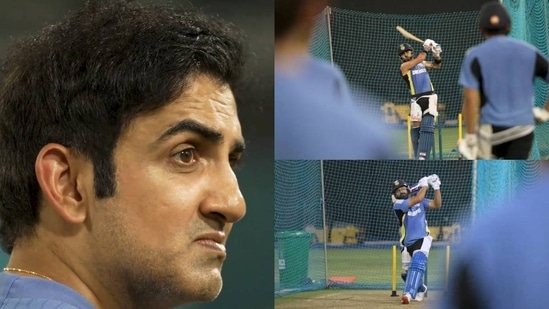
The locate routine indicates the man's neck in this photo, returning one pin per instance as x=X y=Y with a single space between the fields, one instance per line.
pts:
x=41 y=257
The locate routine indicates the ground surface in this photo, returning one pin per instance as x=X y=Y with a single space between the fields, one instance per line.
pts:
x=351 y=299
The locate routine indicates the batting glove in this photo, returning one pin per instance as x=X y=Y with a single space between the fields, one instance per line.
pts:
x=436 y=48
x=427 y=44
x=434 y=182
x=541 y=115
x=423 y=182
x=468 y=146
x=432 y=178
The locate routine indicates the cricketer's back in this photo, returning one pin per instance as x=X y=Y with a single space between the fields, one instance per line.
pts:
x=502 y=260
x=503 y=70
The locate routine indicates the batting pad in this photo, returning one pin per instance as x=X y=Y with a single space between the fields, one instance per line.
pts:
x=415 y=273
x=414 y=134
x=426 y=136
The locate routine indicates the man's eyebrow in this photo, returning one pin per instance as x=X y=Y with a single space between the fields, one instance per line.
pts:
x=190 y=125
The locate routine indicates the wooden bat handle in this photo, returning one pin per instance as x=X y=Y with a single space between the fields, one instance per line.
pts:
x=408 y=35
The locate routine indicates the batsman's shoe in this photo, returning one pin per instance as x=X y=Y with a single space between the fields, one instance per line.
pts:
x=405 y=300
x=421 y=292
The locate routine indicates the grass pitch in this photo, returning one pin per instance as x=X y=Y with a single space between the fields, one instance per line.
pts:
x=351 y=299
x=371 y=267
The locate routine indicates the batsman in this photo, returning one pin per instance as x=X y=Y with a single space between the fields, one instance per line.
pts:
x=424 y=100
x=410 y=206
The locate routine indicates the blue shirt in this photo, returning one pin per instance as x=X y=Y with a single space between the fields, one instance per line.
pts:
x=35 y=293
x=503 y=260
x=418 y=80
x=503 y=69
x=316 y=117
x=413 y=220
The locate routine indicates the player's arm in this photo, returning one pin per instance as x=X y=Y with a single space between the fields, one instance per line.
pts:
x=437 y=201
x=541 y=115
x=408 y=65
x=437 y=60
x=542 y=70
x=470 y=109
x=418 y=197
x=435 y=64
x=424 y=185
x=434 y=182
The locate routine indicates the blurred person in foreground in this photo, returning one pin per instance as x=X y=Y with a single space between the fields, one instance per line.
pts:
x=501 y=262
x=120 y=135
x=316 y=116
x=498 y=79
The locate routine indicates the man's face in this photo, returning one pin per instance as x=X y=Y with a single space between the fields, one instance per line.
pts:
x=162 y=235
x=407 y=55
x=401 y=193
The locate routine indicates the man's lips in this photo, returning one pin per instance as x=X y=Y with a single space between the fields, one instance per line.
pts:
x=214 y=241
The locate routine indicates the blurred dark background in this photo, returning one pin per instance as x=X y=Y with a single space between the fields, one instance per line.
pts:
x=248 y=272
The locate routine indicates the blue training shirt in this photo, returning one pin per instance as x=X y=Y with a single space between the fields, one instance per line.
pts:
x=418 y=80
x=316 y=117
x=413 y=220
x=503 y=70
x=36 y=293
x=503 y=259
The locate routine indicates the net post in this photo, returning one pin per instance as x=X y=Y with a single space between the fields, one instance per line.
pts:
x=460 y=133
x=324 y=225
x=439 y=138
x=409 y=126
x=328 y=23
x=447 y=267
x=394 y=292
x=460 y=130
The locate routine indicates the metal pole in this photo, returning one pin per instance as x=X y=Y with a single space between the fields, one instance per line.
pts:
x=324 y=222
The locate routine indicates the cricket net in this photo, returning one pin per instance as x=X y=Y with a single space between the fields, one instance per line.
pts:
x=364 y=45
x=335 y=227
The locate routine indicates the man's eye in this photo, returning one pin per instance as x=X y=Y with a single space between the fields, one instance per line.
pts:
x=234 y=161
x=187 y=156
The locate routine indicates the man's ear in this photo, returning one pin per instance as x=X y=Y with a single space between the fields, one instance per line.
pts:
x=64 y=178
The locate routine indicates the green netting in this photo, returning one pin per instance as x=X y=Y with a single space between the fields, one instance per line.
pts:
x=299 y=227
x=499 y=181
x=359 y=223
x=531 y=24
x=364 y=45
x=320 y=41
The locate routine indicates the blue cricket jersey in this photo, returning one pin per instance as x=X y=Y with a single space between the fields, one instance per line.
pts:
x=503 y=70
x=36 y=293
x=418 y=80
x=412 y=219
x=503 y=259
x=316 y=117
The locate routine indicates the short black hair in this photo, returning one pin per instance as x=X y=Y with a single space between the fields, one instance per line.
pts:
x=80 y=82
x=494 y=19
x=286 y=15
